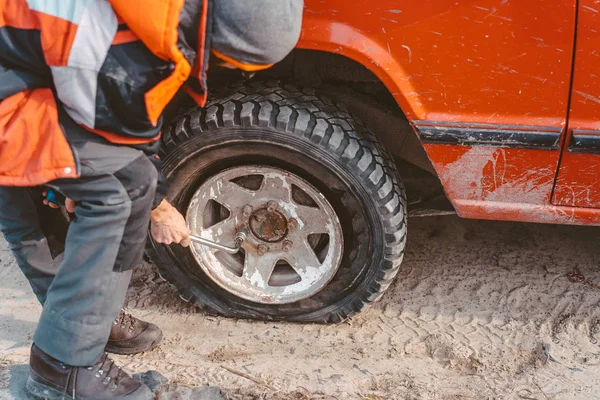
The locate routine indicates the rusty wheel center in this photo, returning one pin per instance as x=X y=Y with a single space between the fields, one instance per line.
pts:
x=268 y=226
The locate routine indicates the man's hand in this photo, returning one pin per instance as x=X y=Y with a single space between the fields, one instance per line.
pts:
x=69 y=204
x=168 y=225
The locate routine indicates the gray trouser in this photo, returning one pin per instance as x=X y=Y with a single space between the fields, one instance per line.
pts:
x=83 y=290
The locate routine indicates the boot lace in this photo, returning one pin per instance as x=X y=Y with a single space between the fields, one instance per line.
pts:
x=71 y=375
x=126 y=321
x=105 y=370
x=108 y=372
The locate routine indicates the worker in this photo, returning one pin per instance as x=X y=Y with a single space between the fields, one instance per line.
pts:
x=83 y=85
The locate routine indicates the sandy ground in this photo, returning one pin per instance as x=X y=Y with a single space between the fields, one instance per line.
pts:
x=480 y=310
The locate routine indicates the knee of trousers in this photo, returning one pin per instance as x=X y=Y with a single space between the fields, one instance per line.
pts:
x=139 y=179
x=256 y=38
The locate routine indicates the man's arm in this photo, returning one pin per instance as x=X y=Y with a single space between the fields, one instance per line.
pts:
x=167 y=225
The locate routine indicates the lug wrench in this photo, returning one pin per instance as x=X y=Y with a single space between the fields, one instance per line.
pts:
x=239 y=239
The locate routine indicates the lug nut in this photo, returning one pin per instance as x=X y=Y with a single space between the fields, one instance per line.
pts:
x=262 y=249
x=292 y=224
x=247 y=211
x=287 y=245
x=271 y=206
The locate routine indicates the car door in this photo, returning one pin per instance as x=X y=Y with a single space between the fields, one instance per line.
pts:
x=578 y=182
x=497 y=77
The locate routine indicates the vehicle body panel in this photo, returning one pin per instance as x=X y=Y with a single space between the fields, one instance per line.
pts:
x=491 y=61
x=492 y=68
x=579 y=176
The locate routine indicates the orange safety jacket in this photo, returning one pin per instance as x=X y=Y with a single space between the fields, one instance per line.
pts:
x=113 y=66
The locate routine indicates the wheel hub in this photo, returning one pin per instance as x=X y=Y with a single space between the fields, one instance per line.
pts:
x=270 y=227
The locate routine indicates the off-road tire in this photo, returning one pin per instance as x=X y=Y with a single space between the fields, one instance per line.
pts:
x=315 y=138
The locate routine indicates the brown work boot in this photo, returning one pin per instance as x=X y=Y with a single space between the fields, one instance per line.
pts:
x=50 y=379
x=130 y=335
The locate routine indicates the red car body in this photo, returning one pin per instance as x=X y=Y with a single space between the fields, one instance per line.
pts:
x=504 y=95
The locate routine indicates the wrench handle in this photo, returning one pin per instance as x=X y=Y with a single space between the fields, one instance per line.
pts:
x=239 y=239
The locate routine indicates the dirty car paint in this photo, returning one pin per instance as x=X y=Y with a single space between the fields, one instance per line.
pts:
x=490 y=61
x=500 y=62
x=579 y=176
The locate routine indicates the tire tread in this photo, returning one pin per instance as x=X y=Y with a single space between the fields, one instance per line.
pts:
x=326 y=123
